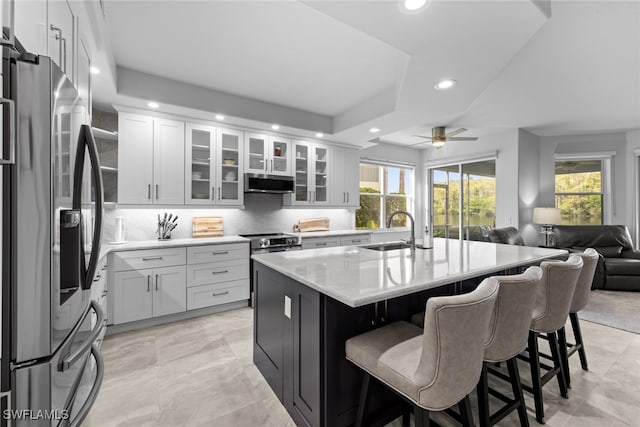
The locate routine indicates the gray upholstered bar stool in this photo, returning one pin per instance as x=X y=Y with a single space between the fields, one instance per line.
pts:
x=580 y=301
x=550 y=313
x=509 y=329
x=435 y=368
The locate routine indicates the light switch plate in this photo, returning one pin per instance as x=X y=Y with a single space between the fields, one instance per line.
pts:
x=287 y=306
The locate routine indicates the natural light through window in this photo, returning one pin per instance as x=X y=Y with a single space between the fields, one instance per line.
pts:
x=384 y=190
x=579 y=192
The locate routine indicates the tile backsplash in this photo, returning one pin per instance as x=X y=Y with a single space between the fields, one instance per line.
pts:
x=262 y=213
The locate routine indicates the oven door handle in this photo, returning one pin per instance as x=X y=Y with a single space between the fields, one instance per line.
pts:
x=93 y=394
x=71 y=359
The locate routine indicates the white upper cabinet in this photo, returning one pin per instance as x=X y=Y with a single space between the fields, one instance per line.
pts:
x=345 y=182
x=311 y=167
x=135 y=159
x=30 y=23
x=266 y=154
x=213 y=168
x=83 y=73
x=168 y=162
x=62 y=37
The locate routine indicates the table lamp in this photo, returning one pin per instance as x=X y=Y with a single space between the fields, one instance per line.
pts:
x=547 y=218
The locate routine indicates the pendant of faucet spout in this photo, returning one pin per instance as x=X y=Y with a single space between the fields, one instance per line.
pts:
x=412 y=240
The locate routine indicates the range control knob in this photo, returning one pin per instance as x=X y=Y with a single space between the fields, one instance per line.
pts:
x=264 y=242
x=291 y=240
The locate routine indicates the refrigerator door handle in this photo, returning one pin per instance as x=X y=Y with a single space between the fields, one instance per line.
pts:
x=12 y=132
x=86 y=139
x=71 y=359
x=93 y=394
x=10 y=41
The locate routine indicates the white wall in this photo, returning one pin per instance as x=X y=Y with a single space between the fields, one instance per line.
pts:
x=620 y=173
x=633 y=143
x=505 y=142
x=528 y=184
x=262 y=213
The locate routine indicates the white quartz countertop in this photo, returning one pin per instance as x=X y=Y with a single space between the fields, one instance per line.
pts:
x=159 y=244
x=358 y=276
x=330 y=233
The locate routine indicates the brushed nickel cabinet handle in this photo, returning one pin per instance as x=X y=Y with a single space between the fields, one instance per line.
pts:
x=156 y=282
x=149 y=191
x=152 y=258
x=157 y=191
x=213 y=193
x=219 y=252
x=217 y=294
x=321 y=244
x=148 y=283
x=220 y=272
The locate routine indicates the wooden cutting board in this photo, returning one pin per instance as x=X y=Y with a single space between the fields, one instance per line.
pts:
x=313 y=224
x=207 y=226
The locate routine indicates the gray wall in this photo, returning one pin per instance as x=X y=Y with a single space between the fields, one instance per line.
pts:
x=528 y=184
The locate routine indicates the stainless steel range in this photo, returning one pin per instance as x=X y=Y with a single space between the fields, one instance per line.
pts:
x=273 y=242
x=270 y=242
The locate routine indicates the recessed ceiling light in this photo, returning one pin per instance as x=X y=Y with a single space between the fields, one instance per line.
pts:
x=275 y=127
x=374 y=130
x=414 y=5
x=319 y=135
x=94 y=70
x=445 y=84
x=153 y=104
x=219 y=117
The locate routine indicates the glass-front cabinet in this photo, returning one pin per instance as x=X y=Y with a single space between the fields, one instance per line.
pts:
x=214 y=166
x=311 y=168
x=266 y=154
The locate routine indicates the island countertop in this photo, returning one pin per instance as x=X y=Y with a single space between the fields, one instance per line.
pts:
x=357 y=276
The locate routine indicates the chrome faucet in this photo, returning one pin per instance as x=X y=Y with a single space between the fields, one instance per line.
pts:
x=412 y=240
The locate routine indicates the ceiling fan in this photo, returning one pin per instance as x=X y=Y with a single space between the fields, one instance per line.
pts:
x=439 y=136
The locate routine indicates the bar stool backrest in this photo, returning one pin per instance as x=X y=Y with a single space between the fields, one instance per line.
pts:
x=509 y=327
x=455 y=330
x=553 y=297
x=583 y=285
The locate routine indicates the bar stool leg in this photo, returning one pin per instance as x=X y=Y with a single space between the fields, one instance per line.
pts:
x=406 y=417
x=464 y=406
x=516 y=386
x=577 y=333
x=564 y=356
x=534 y=362
x=557 y=363
x=364 y=392
x=483 y=397
x=422 y=416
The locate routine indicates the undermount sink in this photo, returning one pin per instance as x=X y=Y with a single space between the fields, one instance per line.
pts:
x=387 y=246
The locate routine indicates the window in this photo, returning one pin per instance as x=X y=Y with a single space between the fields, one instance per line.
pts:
x=580 y=191
x=384 y=189
x=475 y=210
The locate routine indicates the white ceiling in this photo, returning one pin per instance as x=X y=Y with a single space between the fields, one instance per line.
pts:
x=365 y=63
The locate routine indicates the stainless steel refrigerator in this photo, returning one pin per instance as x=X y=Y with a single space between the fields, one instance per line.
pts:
x=51 y=368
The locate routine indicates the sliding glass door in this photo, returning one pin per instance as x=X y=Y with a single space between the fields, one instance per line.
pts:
x=463 y=197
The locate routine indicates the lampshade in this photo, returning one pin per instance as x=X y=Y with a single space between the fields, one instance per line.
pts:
x=549 y=216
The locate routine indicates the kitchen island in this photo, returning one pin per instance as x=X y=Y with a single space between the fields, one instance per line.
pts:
x=308 y=303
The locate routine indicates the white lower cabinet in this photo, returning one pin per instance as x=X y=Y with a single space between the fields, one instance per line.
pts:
x=217 y=274
x=151 y=283
x=355 y=239
x=332 y=241
x=153 y=292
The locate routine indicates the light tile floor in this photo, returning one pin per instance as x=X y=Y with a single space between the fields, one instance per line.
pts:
x=199 y=372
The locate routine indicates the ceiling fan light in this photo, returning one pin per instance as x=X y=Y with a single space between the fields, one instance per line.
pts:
x=413 y=5
x=445 y=84
x=437 y=144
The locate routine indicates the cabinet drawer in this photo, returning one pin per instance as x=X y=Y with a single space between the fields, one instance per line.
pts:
x=320 y=242
x=134 y=260
x=215 y=253
x=216 y=272
x=208 y=295
x=358 y=239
